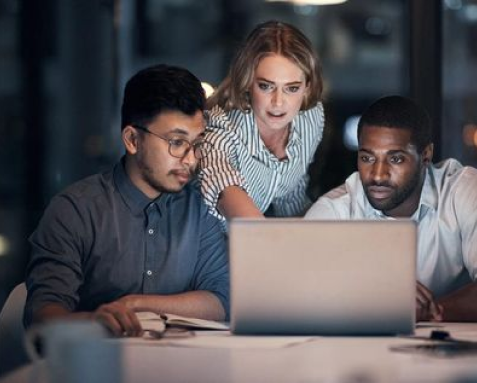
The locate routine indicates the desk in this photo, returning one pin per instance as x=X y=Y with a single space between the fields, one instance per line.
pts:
x=321 y=359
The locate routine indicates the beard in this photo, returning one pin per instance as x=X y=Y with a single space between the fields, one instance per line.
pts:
x=153 y=177
x=400 y=193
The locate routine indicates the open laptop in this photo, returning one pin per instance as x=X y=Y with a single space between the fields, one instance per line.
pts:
x=295 y=276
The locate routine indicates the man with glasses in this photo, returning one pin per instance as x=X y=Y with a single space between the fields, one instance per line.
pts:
x=137 y=237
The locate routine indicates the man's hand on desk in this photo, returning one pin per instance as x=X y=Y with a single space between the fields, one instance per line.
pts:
x=427 y=309
x=118 y=318
x=459 y=305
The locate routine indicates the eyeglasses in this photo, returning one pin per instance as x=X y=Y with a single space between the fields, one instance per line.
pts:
x=179 y=148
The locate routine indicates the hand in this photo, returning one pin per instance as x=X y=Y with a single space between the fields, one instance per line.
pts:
x=426 y=307
x=118 y=318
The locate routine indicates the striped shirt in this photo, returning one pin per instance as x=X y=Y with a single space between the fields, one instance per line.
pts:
x=240 y=158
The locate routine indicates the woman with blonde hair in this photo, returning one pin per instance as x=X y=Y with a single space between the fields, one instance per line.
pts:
x=265 y=122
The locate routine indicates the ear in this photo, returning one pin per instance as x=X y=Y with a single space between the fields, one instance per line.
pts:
x=130 y=139
x=427 y=154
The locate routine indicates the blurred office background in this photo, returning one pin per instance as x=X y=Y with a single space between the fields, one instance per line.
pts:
x=63 y=64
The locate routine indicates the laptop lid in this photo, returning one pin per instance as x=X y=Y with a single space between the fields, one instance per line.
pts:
x=295 y=276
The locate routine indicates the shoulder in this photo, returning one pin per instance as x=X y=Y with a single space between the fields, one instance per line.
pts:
x=314 y=116
x=454 y=180
x=228 y=129
x=89 y=188
x=317 y=112
x=451 y=173
x=83 y=196
x=196 y=206
x=335 y=204
x=218 y=118
x=69 y=212
x=343 y=202
x=310 y=123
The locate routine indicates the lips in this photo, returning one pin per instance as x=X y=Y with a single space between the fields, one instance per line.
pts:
x=379 y=192
x=276 y=114
x=182 y=176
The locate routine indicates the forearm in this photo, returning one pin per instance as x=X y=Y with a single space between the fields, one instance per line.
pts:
x=115 y=316
x=460 y=305
x=197 y=304
x=235 y=202
x=295 y=203
x=52 y=311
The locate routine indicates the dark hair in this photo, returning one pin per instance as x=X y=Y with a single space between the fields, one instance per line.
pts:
x=160 y=88
x=400 y=113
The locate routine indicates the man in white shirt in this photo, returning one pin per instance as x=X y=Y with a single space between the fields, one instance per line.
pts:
x=397 y=179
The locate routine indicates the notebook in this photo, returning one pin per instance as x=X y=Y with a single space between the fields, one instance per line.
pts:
x=295 y=276
x=151 y=321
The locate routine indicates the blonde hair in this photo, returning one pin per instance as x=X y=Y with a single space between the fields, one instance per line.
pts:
x=271 y=37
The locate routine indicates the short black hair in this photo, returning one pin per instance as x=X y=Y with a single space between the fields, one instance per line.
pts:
x=157 y=89
x=400 y=113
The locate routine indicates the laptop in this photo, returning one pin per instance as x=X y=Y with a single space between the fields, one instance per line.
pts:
x=296 y=276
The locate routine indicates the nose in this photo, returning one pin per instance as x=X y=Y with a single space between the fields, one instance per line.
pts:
x=380 y=171
x=189 y=158
x=277 y=99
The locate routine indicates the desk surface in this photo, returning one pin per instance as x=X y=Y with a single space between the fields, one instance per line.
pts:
x=271 y=359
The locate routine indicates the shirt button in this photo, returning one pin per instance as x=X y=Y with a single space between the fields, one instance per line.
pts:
x=151 y=231
x=149 y=272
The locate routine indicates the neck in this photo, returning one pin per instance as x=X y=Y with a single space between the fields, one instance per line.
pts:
x=132 y=171
x=276 y=141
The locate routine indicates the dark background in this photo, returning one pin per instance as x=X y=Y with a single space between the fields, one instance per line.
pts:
x=63 y=64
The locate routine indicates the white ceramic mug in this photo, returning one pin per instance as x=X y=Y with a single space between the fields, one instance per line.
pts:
x=76 y=351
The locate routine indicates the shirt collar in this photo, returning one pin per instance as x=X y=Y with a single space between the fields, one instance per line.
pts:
x=429 y=190
x=255 y=143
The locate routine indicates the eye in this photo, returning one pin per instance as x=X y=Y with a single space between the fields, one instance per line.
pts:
x=366 y=158
x=265 y=86
x=177 y=142
x=396 y=159
x=293 y=88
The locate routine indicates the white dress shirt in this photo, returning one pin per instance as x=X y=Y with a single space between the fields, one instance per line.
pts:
x=446 y=218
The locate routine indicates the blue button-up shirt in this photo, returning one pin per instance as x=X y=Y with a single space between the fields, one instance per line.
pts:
x=102 y=238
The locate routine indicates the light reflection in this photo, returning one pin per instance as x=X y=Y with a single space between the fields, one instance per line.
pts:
x=4 y=245
x=309 y=2
x=469 y=135
x=208 y=89
x=453 y=4
x=350 y=132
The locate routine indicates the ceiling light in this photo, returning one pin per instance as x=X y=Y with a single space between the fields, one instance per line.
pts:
x=309 y=2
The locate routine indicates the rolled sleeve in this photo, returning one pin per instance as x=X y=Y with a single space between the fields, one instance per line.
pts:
x=219 y=169
x=54 y=272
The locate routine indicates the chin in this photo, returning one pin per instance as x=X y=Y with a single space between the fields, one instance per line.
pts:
x=383 y=206
x=176 y=188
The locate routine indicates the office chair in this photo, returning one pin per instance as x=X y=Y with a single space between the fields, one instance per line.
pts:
x=12 y=347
